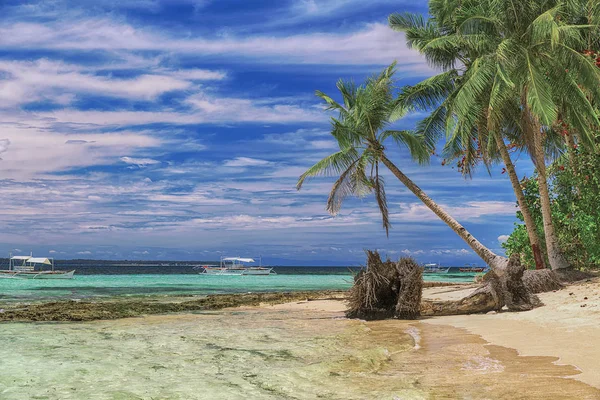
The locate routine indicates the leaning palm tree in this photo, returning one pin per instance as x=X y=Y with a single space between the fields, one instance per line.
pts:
x=516 y=63
x=470 y=142
x=361 y=130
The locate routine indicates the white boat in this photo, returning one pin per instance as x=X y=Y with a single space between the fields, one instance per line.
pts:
x=435 y=268
x=236 y=266
x=24 y=267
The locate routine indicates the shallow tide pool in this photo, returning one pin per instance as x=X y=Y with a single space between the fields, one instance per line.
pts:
x=268 y=353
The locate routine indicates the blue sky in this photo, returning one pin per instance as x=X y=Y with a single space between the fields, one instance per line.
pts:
x=177 y=129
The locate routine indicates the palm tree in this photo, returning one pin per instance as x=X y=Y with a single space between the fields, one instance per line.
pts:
x=361 y=130
x=511 y=64
x=469 y=146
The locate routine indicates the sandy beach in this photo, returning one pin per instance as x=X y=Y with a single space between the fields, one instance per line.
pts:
x=306 y=349
x=566 y=328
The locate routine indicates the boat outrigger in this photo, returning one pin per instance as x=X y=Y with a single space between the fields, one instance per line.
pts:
x=24 y=267
x=434 y=268
x=236 y=266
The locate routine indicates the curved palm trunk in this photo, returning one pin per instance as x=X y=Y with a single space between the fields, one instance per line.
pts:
x=555 y=256
x=496 y=262
x=534 y=239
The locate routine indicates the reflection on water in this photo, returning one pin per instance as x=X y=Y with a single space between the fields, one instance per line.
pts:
x=273 y=353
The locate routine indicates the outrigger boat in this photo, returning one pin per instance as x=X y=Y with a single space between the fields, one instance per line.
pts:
x=236 y=266
x=24 y=267
x=472 y=268
x=434 y=268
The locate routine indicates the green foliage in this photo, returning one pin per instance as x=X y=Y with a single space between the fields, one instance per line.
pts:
x=518 y=241
x=361 y=128
x=575 y=187
x=499 y=59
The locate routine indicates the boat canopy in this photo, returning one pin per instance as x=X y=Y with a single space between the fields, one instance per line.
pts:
x=246 y=260
x=20 y=258
x=39 y=260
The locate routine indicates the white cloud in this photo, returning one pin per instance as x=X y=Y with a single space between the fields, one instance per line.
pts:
x=30 y=81
x=207 y=111
x=308 y=10
x=197 y=74
x=454 y=252
x=56 y=151
x=470 y=211
x=374 y=44
x=324 y=144
x=140 y=162
x=503 y=238
x=246 y=162
x=412 y=252
x=86 y=252
x=4 y=143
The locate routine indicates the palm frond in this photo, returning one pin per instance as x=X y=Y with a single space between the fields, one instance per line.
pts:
x=419 y=149
x=333 y=164
x=430 y=92
x=380 y=196
x=341 y=189
x=539 y=94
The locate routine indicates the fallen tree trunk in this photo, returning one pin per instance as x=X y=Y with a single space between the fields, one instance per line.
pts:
x=393 y=290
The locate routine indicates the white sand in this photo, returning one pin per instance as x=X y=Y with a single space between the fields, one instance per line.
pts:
x=566 y=327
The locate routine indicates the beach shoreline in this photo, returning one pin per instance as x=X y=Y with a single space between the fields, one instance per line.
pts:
x=556 y=341
x=566 y=327
x=294 y=347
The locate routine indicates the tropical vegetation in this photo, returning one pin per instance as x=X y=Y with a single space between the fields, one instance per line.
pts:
x=511 y=72
x=513 y=77
x=361 y=130
x=574 y=191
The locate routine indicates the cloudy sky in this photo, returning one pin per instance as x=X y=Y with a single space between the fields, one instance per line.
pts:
x=176 y=129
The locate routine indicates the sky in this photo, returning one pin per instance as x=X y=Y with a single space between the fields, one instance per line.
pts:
x=177 y=129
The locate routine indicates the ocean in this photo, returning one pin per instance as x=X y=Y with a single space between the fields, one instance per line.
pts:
x=107 y=281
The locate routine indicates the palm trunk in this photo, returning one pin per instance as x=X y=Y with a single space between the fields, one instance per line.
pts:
x=555 y=256
x=496 y=262
x=571 y=145
x=534 y=239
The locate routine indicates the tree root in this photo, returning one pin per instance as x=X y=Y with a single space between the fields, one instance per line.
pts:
x=393 y=290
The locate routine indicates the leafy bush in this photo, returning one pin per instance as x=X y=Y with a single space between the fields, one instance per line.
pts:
x=575 y=194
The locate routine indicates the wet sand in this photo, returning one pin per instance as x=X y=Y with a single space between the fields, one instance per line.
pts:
x=566 y=327
x=302 y=350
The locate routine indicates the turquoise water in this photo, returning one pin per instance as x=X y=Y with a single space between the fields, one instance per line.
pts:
x=94 y=286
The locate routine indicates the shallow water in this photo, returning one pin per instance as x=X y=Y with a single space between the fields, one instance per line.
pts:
x=268 y=353
x=90 y=286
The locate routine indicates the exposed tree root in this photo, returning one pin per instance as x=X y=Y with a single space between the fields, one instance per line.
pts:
x=393 y=290
x=386 y=289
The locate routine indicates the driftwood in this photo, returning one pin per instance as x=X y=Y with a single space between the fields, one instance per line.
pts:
x=496 y=292
x=389 y=289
